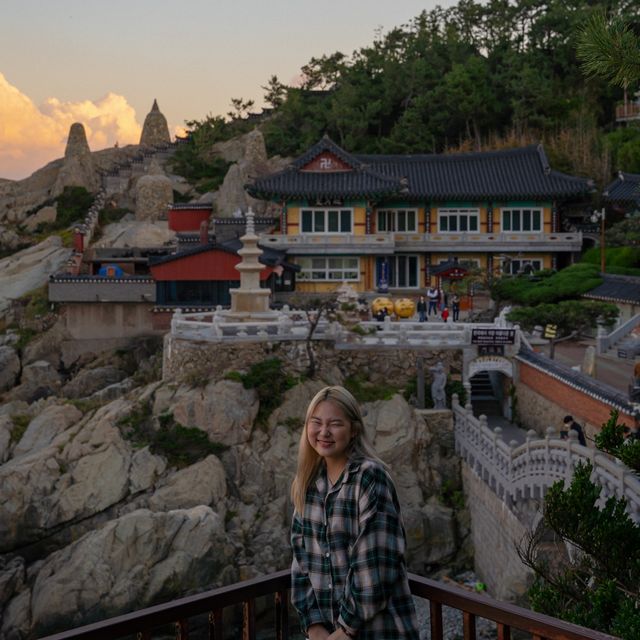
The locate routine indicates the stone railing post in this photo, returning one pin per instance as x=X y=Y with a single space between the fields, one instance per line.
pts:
x=175 y=320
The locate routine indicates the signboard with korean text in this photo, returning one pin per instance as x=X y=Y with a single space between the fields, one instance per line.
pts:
x=493 y=336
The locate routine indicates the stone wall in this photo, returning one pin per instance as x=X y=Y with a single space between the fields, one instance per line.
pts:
x=495 y=531
x=543 y=401
x=87 y=321
x=187 y=358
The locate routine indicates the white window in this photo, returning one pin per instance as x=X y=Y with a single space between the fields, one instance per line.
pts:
x=401 y=271
x=522 y=220
x=329 y=269
x=520 y=266
x=458 y=220
x=326 y=221
x=397 y=220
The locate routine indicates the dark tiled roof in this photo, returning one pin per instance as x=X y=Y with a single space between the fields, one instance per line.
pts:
x=291 y=183
x=577 y=380
x=617 y=289
x=625 y=188
x=269 y=257
x=510 y=174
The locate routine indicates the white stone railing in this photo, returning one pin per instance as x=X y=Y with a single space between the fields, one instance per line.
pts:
x=516 y=472
x=292 y=324
x=605 y=341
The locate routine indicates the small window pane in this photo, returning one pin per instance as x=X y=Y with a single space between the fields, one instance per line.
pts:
x=382 y=221
x=318 y=263
x=443 y=223
x=463 y=223
x=411 y=220
x=506 y=221
x=515 y=220
x=536 y=220
x=318 y=223
x=307 y=221
x=473 y=223
x=453 y=223
x=333 y=221
x=526 y=220
x=345 y=221
x=402 y=221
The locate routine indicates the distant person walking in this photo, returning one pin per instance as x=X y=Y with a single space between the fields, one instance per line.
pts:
x=432 y=297
x=455 y=307
x=570 y=423
x=421 y=308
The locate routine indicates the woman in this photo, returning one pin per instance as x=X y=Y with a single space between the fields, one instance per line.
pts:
x=349 y=578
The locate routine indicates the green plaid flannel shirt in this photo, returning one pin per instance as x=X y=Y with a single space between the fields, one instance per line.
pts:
x=348 y=556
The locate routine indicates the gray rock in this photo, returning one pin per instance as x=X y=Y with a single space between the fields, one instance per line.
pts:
x=16 y=618
x=146 y=468
x=6 y=426
x=225 y=410
x=44 y=428
x=89 y=381
x=130 y=562
x=9 y=367
x=42 y=216
x=201 y=483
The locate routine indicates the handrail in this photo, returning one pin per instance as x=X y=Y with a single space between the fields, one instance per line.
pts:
x=519 y=471
x=605 y=342
x=506 y=616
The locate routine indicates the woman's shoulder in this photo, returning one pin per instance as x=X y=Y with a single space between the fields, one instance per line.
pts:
x=372 y=470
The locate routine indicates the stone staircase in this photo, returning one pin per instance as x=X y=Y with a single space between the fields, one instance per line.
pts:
x=483 y=399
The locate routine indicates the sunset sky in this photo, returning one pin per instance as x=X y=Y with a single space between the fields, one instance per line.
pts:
x=103 y=63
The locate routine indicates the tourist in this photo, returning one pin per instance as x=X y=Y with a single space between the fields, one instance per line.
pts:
x=570 y=423
x=421 y=308
x=349 y=577
x=432 y=297
x=455 y=307
x=445 y=314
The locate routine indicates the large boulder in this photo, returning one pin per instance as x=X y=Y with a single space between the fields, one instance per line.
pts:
x=45 y=427
x=9 y=367
x=201 y=483
x=83 y=472
x=29 y=269
x=154 y=193
x=39 y=379
x=224 y=409
x=132 y=562
x=46 y=215
x=77 y=168
x=88 y=381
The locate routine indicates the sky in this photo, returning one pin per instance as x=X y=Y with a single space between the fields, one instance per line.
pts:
x=103 y=63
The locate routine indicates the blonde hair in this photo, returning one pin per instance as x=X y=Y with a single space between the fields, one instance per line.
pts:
x=308 y=459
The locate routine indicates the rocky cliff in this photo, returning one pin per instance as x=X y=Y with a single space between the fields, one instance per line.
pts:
x=120 y=490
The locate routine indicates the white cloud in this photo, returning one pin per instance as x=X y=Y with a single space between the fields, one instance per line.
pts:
x=31 y=136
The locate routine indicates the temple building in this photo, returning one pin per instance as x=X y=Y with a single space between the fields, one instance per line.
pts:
x=401 y=221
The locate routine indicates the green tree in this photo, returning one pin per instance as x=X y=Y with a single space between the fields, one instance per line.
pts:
x=570 y=316
x=239 y=108
x=598 y=584
x=275 y=92
x=610 y=49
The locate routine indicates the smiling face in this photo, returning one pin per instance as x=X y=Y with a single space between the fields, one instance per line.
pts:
x=329 y=433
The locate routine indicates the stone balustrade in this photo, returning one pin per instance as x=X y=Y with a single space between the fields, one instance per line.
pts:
x=292 y=324
x=517 y=472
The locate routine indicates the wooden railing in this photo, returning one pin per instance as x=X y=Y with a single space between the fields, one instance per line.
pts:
x=507 y=617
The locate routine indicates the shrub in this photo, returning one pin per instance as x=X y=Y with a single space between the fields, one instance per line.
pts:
x=180 y=445
x=365 y=391
x=20 y=424
x=270 y=380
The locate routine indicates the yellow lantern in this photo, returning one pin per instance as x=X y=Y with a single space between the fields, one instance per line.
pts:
x=381 y=303
x=404 y=307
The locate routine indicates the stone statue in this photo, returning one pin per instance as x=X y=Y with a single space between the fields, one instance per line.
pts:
x=437 y=386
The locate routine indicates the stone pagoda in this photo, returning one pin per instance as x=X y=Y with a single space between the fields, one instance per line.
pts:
x=250 y=300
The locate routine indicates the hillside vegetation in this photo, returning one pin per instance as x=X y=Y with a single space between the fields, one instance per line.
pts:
x=473 y=76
